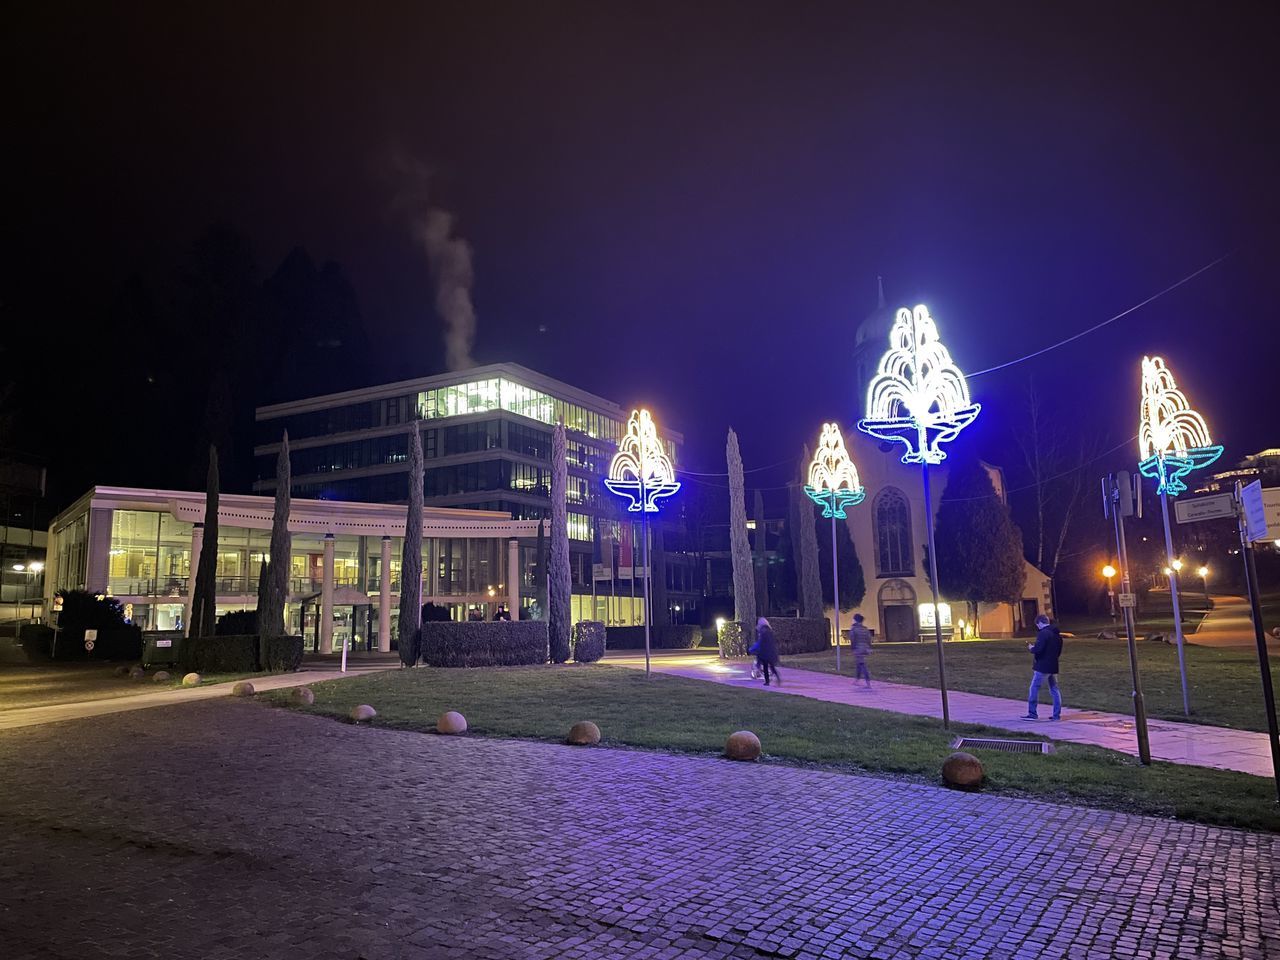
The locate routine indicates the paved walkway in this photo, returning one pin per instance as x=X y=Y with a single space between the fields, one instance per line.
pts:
x=1229 y=624
x=227 y=830
x=1187 y=743
x=54 y=713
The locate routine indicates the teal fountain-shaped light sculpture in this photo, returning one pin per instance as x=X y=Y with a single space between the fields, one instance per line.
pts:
x=919 y=397
x=1173 y=439
x=641 y=471
x=833 y=479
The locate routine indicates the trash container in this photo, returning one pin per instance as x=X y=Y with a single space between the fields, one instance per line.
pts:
x=161 y=647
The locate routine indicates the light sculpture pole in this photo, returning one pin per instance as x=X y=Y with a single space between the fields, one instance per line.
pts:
x=1173 y=440
x=919 y=398
x=641 y=473
x=833 y=485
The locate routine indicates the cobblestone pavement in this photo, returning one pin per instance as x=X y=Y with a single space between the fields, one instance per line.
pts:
x=226 y=829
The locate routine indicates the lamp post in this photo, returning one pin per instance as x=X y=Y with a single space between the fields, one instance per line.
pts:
x=833 y=485
x=919 y=398
x=1173 y=440
x=642 y=473
x=1109 y=572
x=1203 y=574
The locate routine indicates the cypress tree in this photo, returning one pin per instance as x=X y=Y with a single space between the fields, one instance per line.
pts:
x=410 y=626
x=273 y=579
x=853 y=584
x=560 y=583
x=759 y=558
x=204 y=604
x=744 y=587
x=808 y=575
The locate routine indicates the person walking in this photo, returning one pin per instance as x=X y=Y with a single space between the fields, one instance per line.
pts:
x=766 y=650
x=860 y=641
x=1045 y=653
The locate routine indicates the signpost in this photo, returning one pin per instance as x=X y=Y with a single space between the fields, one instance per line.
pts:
x=1205 y=508
x=1119 y=501
x=1258 y=520
x=90 y=638
x=1128 y=601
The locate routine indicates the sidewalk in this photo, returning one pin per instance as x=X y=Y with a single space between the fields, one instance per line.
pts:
x=1187 y=743
x=53 y=713
x=1229 y=624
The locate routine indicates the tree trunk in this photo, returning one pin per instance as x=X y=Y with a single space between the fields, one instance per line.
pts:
x=410 y=625
x=204 y=605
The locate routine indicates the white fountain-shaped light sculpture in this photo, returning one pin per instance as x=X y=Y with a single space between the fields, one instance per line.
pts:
x=1173 y=439
x=641 y=471
x=919 y=397
x=833 y=479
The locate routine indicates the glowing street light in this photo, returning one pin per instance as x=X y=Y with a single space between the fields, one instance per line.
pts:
x=919 y=398
x=833 y=485
x=642 y=473
x=1203 y=574
x=1173 y=440
x=1109 y=572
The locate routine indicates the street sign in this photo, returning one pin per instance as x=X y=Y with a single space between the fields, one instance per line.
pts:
x=90 y=636
x=1255 y=511
x=1205 y=508
x=1127 y=599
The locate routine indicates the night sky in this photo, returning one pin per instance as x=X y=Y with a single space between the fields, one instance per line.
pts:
x=681 y=207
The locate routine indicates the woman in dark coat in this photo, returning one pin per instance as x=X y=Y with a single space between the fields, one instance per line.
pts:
x=766 y=650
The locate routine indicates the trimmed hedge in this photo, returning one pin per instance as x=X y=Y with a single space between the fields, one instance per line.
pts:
x=735 y=637
x=681 y=636
x=477 y=643
x=801 y=636
x=239 y=654
x=588 y=641
x=237 y=623
x=36 y=640
x=113 y=643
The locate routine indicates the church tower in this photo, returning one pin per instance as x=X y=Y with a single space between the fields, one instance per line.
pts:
x=869 y=343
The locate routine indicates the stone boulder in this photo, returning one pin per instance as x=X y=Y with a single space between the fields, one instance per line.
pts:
x=451 y=722
x=742 y=745
x=302 y=695
x=962 y=771
x=161 y=676
x=191 y=680
x=363 y=712
x=242 y=689
x=121 y=671
x=137 y=673
x=1106 y=635
x=584 y=734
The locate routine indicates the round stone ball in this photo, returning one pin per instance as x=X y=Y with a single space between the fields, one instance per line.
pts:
x=161 y=676
x=242 y=689
x=363 y=712
x=962 y=771
x=121 y=671
x=451 y=722
x=584 y=733
x=302 y=695
x=137 y=673
x=191 y=680
x=743 y=745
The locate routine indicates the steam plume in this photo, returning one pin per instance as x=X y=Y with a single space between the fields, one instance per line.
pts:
x=450 y=259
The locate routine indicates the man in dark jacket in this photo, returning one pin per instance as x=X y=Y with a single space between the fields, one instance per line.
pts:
x=766 y=650
x=1045 y=652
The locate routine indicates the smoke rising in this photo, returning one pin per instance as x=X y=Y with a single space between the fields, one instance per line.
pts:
x=450 y=260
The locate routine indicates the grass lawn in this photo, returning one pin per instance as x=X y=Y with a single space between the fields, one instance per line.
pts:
x=1154 y=616
x=1223 y=681
x=692 y=716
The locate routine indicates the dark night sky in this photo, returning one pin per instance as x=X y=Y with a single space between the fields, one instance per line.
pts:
x=694 y=199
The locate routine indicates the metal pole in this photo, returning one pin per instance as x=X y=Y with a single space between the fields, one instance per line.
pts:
x=1173 y=594
x=937 y=613
x=1139 y=706
x=835 y=588
x=1264 y=664
x=644 y=532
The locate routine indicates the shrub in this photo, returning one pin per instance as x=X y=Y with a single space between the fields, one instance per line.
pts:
x=36 y=640
x=681 y=636
x=284 y=653
x=795 y=635
x=588 y=641
x=502 y=643
x=237 y=623
x=239 y=654
x=735 y=637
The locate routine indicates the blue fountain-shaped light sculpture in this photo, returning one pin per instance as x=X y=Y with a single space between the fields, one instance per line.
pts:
x=833 y=479
x=641 y=471
x=1173 y=439
x=919 y=397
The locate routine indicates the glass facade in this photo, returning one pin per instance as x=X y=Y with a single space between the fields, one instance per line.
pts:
x=500 y=393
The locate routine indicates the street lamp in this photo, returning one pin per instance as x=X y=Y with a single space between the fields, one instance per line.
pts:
x=1109 y=572
x=1203 y=574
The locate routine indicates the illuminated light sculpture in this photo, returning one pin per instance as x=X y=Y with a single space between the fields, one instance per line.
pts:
x=1173 y=439
x=833 y=479
x=833 y=485
x=642 y=473
x=920 y=399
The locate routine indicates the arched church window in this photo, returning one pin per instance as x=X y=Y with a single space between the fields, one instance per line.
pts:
x=894 y=554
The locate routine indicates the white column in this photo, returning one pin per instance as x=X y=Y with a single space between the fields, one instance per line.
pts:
x=384 y=598
x=513 y=579
x=197 y=542
x=326 y=597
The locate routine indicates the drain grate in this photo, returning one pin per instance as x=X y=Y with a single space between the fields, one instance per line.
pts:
x=1007 y=746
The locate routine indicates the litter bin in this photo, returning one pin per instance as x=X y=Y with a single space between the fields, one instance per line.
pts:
x=162 y=647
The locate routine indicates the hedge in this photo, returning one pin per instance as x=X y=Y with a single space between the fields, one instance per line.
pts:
x=588 y=641
x=237 y=623
x=479 y=643
x=680 y=636
x=239 y=654
x=801 y=636
x=735 y=637
x=113 y=643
